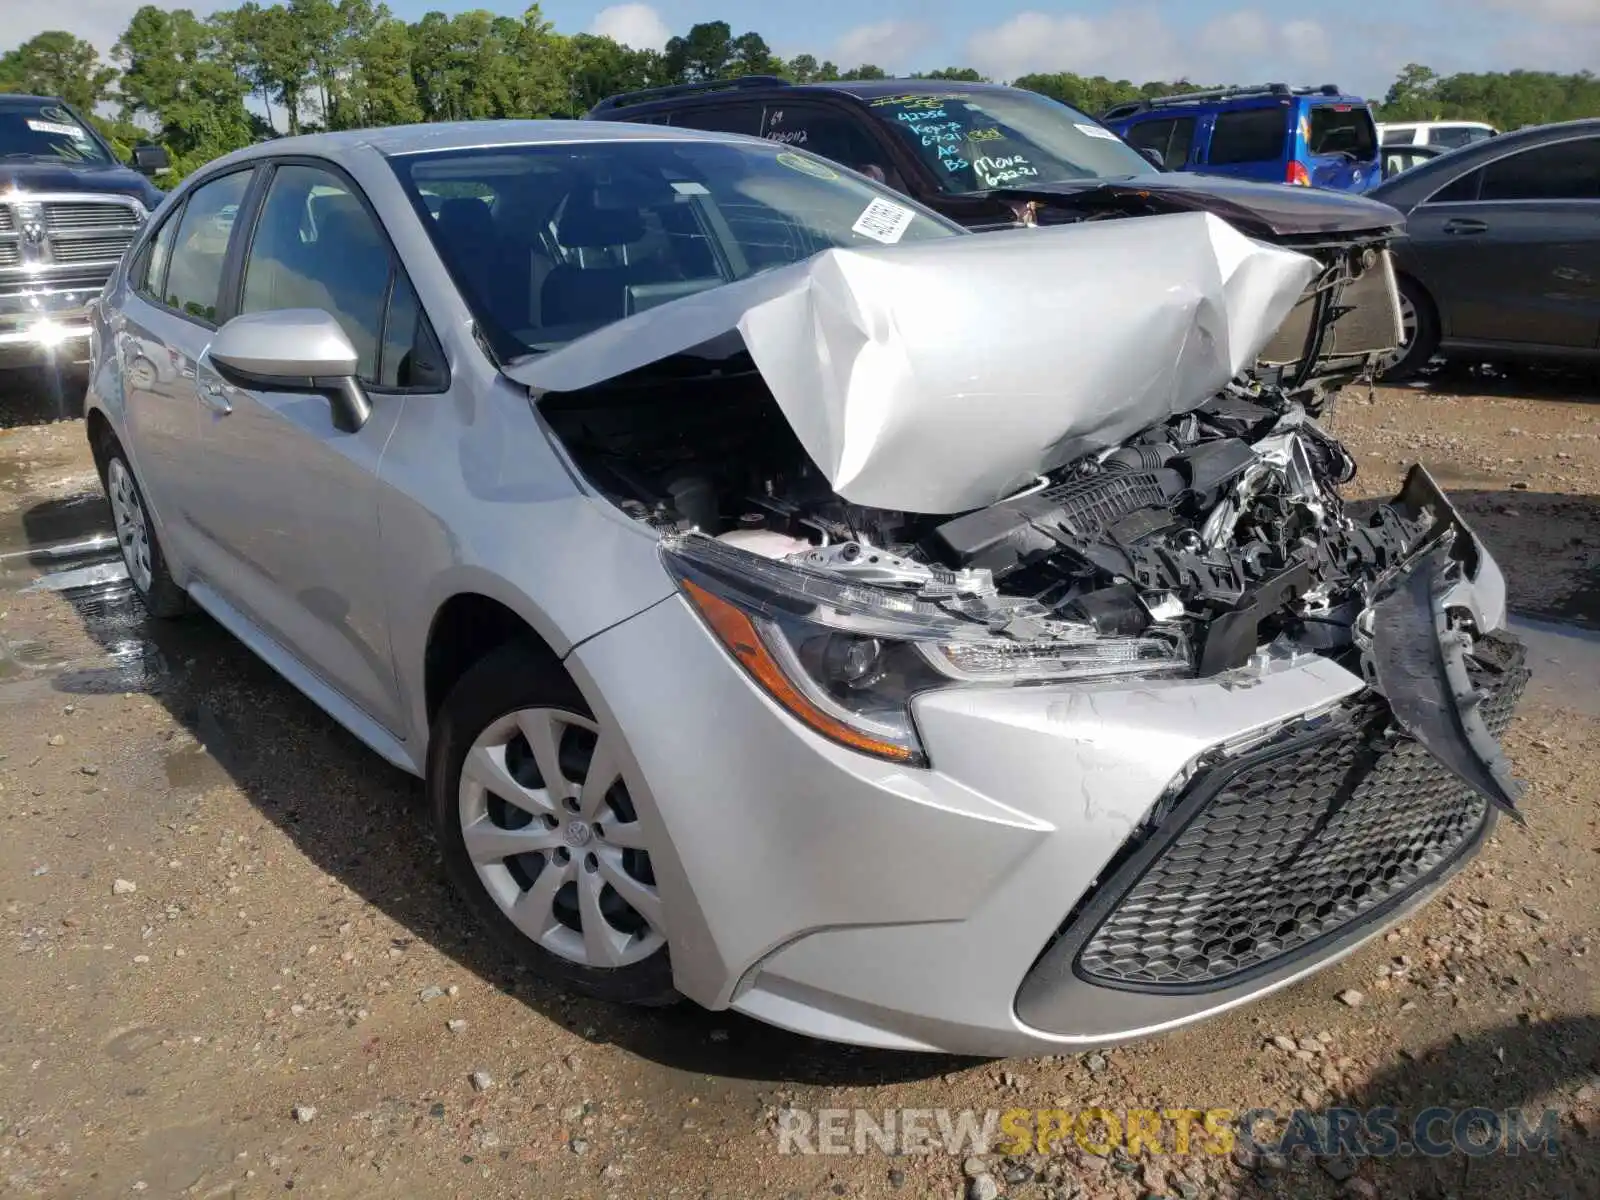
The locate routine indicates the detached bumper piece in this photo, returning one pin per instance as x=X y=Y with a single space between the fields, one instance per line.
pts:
x=1286 y=849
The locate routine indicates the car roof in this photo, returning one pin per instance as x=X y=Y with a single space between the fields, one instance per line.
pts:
x=1419 y=124
x=861 y=89
x=19 y=99
x=396 y=140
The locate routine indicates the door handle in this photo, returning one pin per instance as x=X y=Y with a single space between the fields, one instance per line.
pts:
x=215 y=397
x=1465 y=226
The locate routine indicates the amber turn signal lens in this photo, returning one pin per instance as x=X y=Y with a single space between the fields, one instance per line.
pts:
x=735 y=630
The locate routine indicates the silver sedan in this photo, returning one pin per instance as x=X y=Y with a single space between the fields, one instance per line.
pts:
x=793 y=603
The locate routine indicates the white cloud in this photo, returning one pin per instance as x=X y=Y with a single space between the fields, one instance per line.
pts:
x=1141 y=44
x=635 y=25
x=886 y=44
x=1567 y=12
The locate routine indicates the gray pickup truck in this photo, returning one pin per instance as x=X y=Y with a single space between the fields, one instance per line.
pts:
x=68 y=209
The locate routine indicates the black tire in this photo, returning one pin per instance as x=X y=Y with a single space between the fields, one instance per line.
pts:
x=160 y=595
x=514 y=677
x=1424 y=343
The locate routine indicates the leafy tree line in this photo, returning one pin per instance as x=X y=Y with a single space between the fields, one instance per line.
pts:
x=340 y=64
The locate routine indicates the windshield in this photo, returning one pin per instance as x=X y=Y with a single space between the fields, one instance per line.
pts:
x=47 y=131
x=974 y=141
x=550 y=242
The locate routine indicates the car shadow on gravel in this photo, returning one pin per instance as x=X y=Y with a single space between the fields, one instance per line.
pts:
x=38 y=395
x=1530 y=1067
x=1517 y=381
x=366 y=824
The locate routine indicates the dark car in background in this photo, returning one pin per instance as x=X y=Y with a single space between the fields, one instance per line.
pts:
x=1501 y=256
x=1309 y=137
x=992 y=157
x=1403 y=157
x=68 y=209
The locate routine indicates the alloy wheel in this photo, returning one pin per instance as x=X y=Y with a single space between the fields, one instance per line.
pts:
x=133 y=529
x=553 y=835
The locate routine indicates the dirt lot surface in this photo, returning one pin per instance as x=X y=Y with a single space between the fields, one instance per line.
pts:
x=232 y=966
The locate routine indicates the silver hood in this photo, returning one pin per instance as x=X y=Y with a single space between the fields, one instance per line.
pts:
x=940 y=376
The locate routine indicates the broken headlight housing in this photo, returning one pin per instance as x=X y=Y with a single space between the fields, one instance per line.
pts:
x=847 y=659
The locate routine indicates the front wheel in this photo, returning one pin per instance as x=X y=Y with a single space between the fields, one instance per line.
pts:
x=136 y=539
x=540 y=834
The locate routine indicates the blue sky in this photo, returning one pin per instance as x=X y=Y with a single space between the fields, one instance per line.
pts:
x=1358 y=44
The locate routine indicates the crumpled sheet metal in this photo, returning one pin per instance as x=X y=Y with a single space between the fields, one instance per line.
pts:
x=940 y=376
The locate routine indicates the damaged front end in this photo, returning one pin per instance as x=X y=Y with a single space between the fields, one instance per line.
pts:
x=846 y=578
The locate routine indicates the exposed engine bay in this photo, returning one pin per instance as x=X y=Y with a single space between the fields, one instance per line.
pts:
x=873 y=477
x=1221 y=526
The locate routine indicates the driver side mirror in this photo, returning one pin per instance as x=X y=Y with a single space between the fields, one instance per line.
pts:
x=294 y=350
x=150 y=160
x=1154 y=157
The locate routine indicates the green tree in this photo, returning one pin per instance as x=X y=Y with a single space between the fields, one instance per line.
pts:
x=752 y=56
x=804 y=68
x=55 y=63
x=177 y=74
x=600 y=67
x=960 y=74
x=267 y=50
x=378 y=87
x=706 y=52
x=865 y=71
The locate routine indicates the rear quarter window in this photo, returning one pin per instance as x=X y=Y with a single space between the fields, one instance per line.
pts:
x=1249 y=135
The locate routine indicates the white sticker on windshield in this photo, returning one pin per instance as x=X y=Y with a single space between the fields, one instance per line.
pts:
x=71 y=131
x=688 y=187
x=1096 y=131
x=883 y=221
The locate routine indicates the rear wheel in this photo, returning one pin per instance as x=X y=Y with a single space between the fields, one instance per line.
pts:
x=1419 y=324
x=137 y=540
x=540 y=834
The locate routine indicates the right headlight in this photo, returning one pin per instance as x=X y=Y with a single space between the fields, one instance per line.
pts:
x=846 y=659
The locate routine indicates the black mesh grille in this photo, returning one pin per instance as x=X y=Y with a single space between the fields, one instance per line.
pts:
x=1294 y=843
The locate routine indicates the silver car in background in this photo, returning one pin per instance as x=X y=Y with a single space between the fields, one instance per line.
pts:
x=780 y=616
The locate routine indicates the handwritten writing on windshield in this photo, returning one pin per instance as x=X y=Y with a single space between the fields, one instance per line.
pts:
x=993 y=172
x=925 y=101
x=787 y=137
x=933 y=127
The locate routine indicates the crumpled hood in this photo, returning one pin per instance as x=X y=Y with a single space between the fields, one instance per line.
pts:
x=940 y=376
x=1267 y=210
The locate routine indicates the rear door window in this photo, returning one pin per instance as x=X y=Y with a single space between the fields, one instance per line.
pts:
x=1343 y=129
x=150 y=271
x=1249 y=135
x=194 y=272
x=1561 y=171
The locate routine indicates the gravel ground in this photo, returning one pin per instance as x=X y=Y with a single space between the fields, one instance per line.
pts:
x=233 y=967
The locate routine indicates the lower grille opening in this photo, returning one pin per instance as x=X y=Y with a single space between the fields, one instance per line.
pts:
x=1271 y=853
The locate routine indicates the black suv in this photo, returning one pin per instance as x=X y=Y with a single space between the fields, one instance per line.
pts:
x=993 y=157
x=68 y=209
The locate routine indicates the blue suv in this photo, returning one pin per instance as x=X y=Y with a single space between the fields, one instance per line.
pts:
x=1310 y=137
